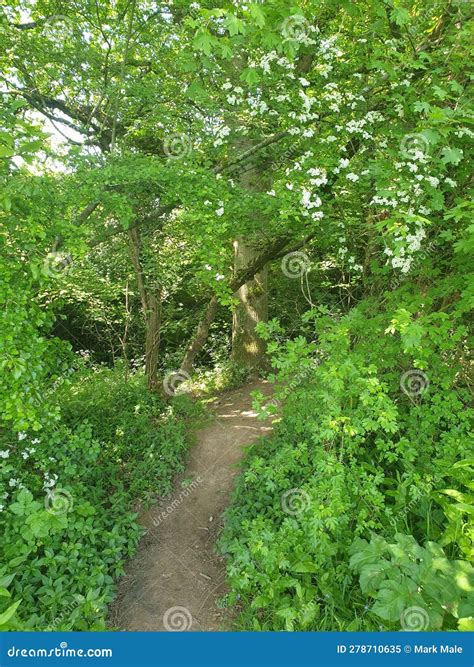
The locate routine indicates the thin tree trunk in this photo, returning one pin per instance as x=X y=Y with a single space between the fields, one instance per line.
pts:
x=200 y=337
x=151 y=307
x=124 y=339
x=152 y=341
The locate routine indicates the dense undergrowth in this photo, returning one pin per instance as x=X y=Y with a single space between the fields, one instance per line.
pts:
x=172 y=174
x=357 y=515
x=72 y=492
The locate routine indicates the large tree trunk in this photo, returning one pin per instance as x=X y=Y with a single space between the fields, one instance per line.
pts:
x=248 y=349
x=274 y=250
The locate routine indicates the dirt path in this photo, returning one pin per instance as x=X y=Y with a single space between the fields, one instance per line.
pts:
x=176 y=579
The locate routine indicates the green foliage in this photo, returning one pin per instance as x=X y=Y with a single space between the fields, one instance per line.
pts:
x=352 y=124
x=68 y=494
x=404 y=575
x=357 y=450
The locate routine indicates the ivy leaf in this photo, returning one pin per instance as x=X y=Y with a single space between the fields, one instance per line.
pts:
x=422 y=107
x=24 y=505
x=400 y=16
x=394 y=597
x=226 y=50
x=372 y=575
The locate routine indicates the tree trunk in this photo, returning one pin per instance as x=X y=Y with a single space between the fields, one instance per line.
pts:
x=248 y=349
x=200 y=337
x=151 y=308
x=152 y=340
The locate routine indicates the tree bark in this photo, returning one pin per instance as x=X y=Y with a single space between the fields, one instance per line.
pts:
x=275 y=250
x=151 y=308
x=152 y=340
x=248 y=349
x=200 y=337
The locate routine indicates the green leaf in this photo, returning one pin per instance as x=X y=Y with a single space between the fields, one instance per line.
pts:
x=6 y=616
x=6 y=580
x=234 y=25
x=202 y=41
x=452 y=155
x=250 y=75
x=257 y=14
x=306 y=566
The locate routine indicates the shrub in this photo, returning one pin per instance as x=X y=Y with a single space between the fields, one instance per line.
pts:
x=69 y=492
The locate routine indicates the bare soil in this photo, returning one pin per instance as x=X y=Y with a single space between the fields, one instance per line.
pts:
x=176 y=579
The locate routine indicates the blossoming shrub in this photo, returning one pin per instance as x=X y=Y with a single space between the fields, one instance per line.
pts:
x=69 y=493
